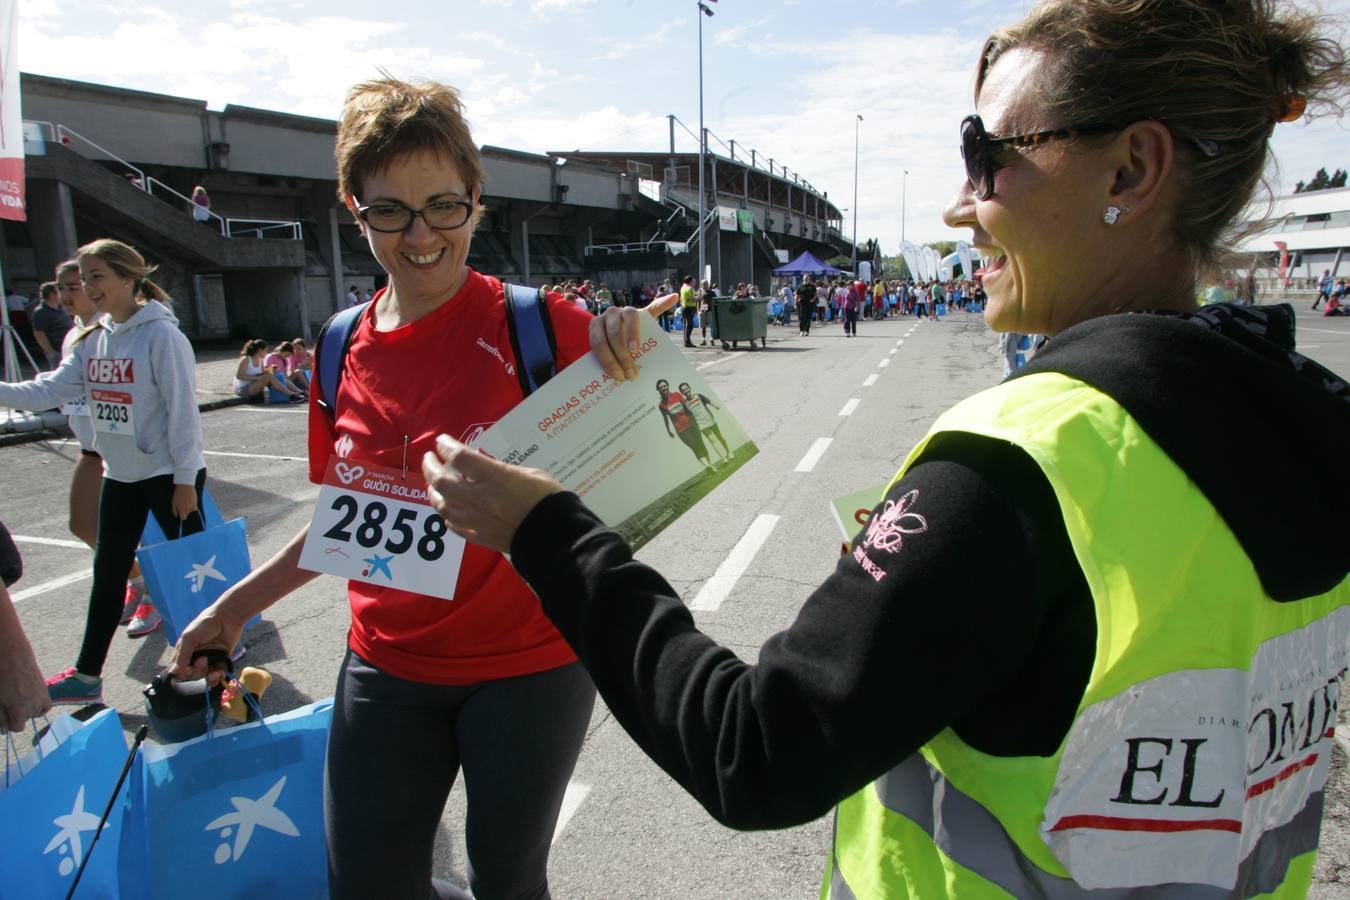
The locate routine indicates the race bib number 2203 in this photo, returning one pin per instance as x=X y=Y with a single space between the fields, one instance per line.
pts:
x=376 y=525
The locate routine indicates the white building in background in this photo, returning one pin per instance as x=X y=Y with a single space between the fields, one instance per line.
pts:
x=1315 y=227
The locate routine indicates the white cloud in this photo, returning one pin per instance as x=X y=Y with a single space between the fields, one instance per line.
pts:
x=558 y=74
x=540 y=7
x=730 y=37
x=249 y=58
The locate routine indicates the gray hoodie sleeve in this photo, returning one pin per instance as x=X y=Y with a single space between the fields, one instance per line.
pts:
x=175 y=368
x=50 y=389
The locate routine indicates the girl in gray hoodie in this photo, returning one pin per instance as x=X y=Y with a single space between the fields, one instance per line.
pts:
x=138 y=371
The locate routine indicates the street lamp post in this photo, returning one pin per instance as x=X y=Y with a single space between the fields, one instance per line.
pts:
x=702 y=139
x=903 y=184
x=856 y=126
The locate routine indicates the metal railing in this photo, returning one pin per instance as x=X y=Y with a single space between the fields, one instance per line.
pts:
x=634 y=247
x=710 y=217
x=137 y=178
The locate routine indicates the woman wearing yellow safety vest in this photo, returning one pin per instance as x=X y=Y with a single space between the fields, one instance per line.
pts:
x=1150 y=710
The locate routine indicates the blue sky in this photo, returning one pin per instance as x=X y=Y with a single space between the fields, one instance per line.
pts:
x=785 y=78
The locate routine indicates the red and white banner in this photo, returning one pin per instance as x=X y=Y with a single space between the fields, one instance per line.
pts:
x=11 y=116
x=1284 y=262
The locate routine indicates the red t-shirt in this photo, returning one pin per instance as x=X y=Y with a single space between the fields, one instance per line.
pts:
x=450 y=372
x=675 y=408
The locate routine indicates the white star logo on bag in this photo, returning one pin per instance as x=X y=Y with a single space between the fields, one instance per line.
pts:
x=72 y=825
x=249 y=815
x=202 y=571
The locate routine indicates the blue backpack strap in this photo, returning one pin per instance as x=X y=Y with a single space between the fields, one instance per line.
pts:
x=532 y=338
x=330 y=354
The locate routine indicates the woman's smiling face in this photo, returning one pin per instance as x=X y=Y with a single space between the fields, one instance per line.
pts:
x=1040 y=228
x=425 y=264
x=110 y=292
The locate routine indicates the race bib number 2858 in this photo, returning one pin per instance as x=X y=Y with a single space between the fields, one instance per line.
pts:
x=375 y=525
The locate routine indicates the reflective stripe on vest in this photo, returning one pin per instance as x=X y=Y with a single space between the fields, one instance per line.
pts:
x=919 y=792
x=1195 y=763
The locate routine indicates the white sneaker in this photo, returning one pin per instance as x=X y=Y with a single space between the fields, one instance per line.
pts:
x=145 y=620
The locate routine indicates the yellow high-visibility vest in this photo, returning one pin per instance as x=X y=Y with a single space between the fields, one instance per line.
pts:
x=1195 y=763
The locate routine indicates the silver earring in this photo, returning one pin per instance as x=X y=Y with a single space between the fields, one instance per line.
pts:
x=1113 y=213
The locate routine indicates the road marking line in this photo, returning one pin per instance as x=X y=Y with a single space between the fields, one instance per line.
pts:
x=814 y=454
x=272 y=408
x=900 y=343
x=848 y=409
x=871 y=380
x=1326 y=331
x=893 y=352
x=716 y=588
x=254 y=455
x=52 y=585
x=573 y=797
x=49 y=542
x=883 y=364
x=714 y=362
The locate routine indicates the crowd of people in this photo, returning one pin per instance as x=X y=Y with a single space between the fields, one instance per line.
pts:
x=1332 y=294
x=279 y=374
x=849 y=300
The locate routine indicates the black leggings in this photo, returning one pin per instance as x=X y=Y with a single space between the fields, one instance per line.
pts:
x=122 y=506
x=688 y=313
x=393 y=754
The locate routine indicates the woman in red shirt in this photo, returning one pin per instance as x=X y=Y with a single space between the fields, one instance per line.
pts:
x=482 y=680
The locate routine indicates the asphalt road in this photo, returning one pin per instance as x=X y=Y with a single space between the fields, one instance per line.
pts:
x=628 y=831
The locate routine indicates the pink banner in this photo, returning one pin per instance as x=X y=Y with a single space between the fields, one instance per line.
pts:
x=11 y=117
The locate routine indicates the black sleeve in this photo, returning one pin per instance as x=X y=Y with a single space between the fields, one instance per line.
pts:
x=11 y=564
x=908 y=636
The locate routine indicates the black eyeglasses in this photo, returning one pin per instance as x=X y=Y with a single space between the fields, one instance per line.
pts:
x=443 y=215
x=979 y=148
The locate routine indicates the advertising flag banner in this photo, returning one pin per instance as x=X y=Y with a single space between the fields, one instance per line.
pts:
x=639 y=452
x=963 y=252
x=745 y=221
x=910 y=252
x=11 y=117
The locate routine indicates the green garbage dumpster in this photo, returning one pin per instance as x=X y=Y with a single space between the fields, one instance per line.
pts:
x=741 y=320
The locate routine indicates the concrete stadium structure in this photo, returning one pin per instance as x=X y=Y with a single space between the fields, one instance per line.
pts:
x=279 y=251
x=1315 y=228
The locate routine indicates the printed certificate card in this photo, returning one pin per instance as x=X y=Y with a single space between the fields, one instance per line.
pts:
x=852 y=512
x=639 y=452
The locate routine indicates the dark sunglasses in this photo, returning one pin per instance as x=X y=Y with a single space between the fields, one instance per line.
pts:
x=979 y=148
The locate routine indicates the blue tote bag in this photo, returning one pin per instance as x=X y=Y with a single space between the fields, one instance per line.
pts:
x=188 y=574
x=49 y=815
x=237 y=812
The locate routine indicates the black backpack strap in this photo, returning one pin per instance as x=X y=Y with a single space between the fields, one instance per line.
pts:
x=532 y=338
x=330 y=354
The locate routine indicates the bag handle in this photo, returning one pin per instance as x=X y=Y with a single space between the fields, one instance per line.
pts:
x=248 y=698
x=11 y=748
x=200 y=517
